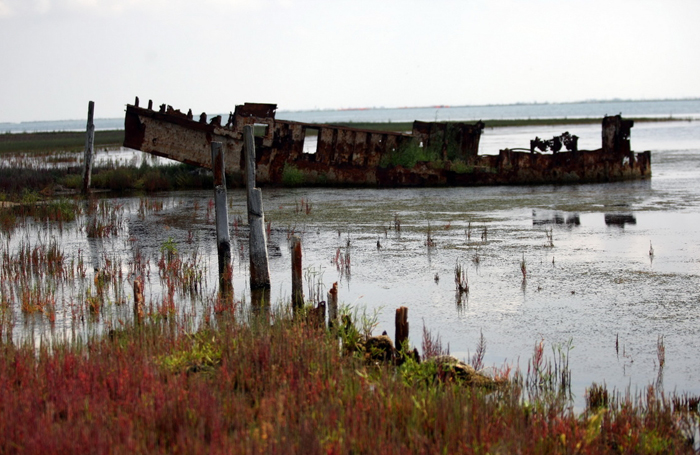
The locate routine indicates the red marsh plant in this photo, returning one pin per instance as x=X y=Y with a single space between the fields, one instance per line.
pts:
x=281 y=385
x=184 y=274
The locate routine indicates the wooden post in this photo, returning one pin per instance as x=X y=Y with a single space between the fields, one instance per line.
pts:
x=89 y=148
x=139 y=303
x=297 y=284
x=333 y=306
x=223 y=241
x=401 y=334
x=259 y=267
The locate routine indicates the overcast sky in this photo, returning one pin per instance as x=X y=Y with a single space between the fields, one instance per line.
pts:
x=209 y=55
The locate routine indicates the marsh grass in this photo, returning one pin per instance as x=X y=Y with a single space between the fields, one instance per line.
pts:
x=292 y=176
x=550 y=237
x=461 y=279
x=14 y=181
x=241 y=383
x=57 y=141
x=408 y=155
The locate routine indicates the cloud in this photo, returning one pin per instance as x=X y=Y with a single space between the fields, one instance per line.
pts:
x=9 y=8
x=5 y=9
x=42 y=6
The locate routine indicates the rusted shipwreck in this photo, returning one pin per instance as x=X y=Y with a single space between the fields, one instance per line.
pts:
x=433 y=154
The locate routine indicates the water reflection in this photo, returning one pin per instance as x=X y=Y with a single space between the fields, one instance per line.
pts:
x=540 y=218
x=620 y=219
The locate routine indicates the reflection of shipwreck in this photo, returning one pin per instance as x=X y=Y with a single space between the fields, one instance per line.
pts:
x=620 y=219
x=548 y=217
x=433 y=154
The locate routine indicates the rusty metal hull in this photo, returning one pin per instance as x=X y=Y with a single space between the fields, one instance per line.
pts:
x=356 y=157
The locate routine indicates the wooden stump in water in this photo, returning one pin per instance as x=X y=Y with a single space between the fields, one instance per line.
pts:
x=333 y=306
x=259 y=266
x=223 y=241
x=297 y=284
x=401 y=327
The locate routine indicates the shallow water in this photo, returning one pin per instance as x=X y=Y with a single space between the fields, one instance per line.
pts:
x=595 y=283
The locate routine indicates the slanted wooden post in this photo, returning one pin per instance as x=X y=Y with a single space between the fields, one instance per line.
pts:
x=259 y=267
x=297 y=284
x=401 y=327
x=89 y=148
x=223 y=241
x=333 y=306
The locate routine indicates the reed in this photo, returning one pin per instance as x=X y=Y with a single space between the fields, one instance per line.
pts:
x=550 y=237
x=461 y=279
x=281 y=385
x=429 y=240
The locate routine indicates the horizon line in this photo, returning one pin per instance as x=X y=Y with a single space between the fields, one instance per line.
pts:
x=438 y=106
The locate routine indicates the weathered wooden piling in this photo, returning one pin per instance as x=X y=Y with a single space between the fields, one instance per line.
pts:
x=223 y=241
x=333 y=306
x=297 y=284
x=259 y=267
x=401 y=334
x=89 y=148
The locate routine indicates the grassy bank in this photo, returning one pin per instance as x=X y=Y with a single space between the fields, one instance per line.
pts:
x=16 y=182
x=57 y=141
x=235 y=386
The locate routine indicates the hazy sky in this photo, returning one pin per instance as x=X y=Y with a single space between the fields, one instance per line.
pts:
x=210 y=55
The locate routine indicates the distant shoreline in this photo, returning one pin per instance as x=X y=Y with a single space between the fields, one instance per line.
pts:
x=533 y=103
x=59 y=141
x=453 y=112
x=68 y=141
x=502 y=123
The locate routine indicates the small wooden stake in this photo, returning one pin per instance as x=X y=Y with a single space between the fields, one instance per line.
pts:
x=297 y=285
x=223 y=241
x=333 y=306
x=401 y=327
x=259 y=267
x=89 y=148
x=139 y=309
